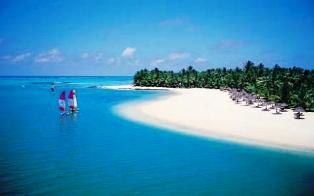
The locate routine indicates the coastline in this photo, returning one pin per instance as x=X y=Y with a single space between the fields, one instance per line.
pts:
x=210 y=113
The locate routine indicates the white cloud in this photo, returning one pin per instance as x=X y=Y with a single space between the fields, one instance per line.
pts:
x=128 y=52
x=157 y=61
x=6 y=57
x=230 y=45
x=52 y=56
x=111 y=61
x=85 y=55
x=179 y=55
x=90 y=56
x=21 y=57
x=98 y=56
x=200 y=60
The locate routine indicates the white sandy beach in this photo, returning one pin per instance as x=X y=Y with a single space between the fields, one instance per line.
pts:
x=211 y=113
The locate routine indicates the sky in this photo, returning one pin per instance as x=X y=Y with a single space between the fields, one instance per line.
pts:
x=117 y=37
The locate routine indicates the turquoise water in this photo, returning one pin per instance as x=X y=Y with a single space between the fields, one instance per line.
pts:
x=97 y=152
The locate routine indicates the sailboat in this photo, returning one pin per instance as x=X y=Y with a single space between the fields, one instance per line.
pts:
x=72 y=101
x=62 y=103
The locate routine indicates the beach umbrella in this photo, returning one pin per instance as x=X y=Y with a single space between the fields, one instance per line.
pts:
x=272 y=105
x=249 y=100
x=284 y=105
x=266 y=103
x=299 y=110
x=237 y=99
x=259 y=102
x=277 y=106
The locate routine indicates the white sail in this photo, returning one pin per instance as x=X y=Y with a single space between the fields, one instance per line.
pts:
x=72 y=101
x=75 y=102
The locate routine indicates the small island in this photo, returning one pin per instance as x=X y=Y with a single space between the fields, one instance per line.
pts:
x=256 y=105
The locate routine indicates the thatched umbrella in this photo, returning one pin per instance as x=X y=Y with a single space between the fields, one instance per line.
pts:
x=266 y=103
x=260 y=102
x=238 y=99
x=249 y=100
x=299 y=110
x=246 y=100
x=277 y=106
x=283 y=107
x=272 y=105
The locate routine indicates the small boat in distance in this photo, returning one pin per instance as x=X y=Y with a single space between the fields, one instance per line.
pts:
x=53 y=87
x=72 y=101
x=62 y=103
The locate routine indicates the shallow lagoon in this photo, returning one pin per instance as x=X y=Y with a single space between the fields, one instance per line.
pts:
x=98 y=152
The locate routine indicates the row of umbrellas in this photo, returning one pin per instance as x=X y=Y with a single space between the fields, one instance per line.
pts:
x=240 y=96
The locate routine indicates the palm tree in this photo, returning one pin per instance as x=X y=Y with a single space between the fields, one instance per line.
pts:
x=293 y=86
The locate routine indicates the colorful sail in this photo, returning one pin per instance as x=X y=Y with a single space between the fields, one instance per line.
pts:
x=72 y=101
x=62 y=102
x=75 y=100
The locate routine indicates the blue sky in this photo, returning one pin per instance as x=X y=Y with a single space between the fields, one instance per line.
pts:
x=119 y=37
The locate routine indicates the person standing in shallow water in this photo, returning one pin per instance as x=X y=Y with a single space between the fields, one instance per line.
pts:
x=53 y=87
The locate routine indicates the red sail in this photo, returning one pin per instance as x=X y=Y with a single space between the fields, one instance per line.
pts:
x=62 y=102
x=71 y=100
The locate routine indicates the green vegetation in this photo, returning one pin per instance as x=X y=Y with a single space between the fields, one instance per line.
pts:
x=294 y=86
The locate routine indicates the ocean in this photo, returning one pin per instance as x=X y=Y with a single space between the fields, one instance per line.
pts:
x=98 y=152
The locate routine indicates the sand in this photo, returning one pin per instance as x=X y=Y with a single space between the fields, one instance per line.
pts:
x=211 y=113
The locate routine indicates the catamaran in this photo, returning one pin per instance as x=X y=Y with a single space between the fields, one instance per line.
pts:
x=62 y=103
x=72 y=101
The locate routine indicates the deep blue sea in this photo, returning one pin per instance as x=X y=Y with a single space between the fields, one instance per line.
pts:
x=97 y=152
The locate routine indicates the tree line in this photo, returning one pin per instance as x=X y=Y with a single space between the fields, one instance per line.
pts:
x=293 y=86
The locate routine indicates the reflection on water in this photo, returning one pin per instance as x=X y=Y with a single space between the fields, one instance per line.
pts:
x=68 y=121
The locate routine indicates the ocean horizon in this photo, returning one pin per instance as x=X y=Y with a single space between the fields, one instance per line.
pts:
x=97 y=151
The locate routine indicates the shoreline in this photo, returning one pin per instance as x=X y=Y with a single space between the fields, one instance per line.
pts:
x=213 y=115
